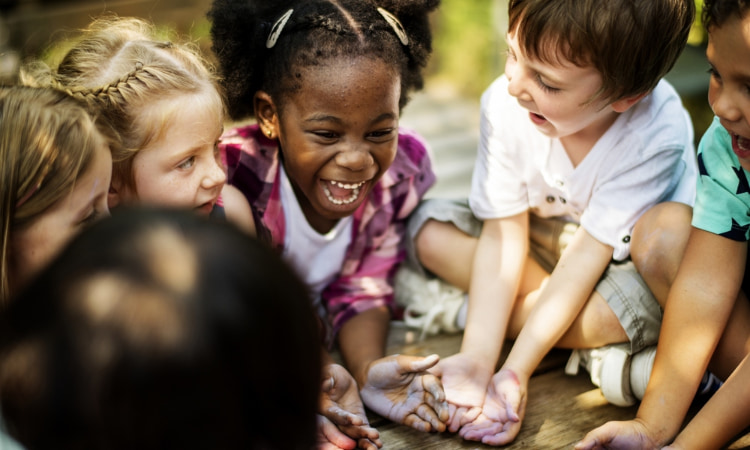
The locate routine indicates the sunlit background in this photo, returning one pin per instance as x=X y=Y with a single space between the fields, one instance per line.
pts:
x=469 y=52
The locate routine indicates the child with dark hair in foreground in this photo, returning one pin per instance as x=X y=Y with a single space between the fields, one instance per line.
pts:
x=151 y=331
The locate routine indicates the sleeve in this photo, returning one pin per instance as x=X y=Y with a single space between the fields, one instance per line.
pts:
x=498 y=188
x=619 y=201
x=378 y=247
x=722 y=204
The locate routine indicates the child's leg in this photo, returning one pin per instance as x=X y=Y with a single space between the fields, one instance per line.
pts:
x=447 y=252
x=658 y=243
x=444 y=238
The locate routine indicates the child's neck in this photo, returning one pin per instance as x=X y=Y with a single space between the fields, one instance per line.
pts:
x=579 y=144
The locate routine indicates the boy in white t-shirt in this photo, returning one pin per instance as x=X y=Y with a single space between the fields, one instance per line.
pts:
x=578 y=139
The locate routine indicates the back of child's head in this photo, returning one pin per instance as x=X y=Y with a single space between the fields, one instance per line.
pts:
x=260 y=48
x=632 y=43
x=47 y=141
x=161 y=329
x=122 y=69
x=716 y=12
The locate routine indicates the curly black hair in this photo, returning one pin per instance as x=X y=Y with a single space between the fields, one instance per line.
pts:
x=716 y=12
x=317 y=30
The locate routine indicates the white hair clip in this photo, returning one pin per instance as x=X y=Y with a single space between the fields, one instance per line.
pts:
x=395 y=24
x=273 y=36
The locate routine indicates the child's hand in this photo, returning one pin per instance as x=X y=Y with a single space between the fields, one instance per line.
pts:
x=400 y=388
x=632 y=434
x=503 y=410
x=343 y=422
x=465 y=384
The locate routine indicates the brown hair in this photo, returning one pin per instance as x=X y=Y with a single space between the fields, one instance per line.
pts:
x=121 y=69
x=47 y=141
x=632 y=43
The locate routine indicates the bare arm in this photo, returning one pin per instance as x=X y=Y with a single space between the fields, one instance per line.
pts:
x=725 y=415
x=362 y=341
x=569 y=287
x=496 y=275
x=237 y=209
x=695 y=315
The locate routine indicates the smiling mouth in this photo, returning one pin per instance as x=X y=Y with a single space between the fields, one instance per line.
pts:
x=741 y=146
x=340 y=193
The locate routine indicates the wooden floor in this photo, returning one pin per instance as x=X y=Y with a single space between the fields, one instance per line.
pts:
x=560 y=411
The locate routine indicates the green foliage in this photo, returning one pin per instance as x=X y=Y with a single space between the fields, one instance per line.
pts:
x=468 y=45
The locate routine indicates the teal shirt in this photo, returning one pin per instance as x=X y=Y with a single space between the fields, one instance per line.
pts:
x=722 y=204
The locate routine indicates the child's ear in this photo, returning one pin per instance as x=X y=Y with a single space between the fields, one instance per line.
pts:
x=266 y=114
x=113 y=196
x=624 y=104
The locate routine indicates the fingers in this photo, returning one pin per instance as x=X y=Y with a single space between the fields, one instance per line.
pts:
x=461 y=415
x=419 y=364
x=435 y=396
x=366 y=444
x=342 y=417
x=416 y=422
x=328 y=433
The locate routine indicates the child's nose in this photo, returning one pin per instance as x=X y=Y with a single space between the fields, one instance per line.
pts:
x=214 y=176
x=355 y=158
x=725 y=107
x=516 y=83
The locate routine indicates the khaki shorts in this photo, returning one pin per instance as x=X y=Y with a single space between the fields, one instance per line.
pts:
x=623 y=288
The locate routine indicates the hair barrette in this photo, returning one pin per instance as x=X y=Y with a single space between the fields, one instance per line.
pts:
x=273 y=36
x=395 y=24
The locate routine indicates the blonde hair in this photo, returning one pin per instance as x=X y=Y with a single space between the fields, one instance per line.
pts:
x=121 y=69
x=47 y=141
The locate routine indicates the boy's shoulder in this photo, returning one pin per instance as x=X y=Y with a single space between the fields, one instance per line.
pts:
x=658 y=119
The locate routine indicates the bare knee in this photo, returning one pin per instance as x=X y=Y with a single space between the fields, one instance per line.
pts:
x=658 y=243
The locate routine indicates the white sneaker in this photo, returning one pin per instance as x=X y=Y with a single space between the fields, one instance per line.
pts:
x=430 y=304
x=609 y=367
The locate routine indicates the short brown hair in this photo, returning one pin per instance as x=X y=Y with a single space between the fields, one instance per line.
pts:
x=632 y=43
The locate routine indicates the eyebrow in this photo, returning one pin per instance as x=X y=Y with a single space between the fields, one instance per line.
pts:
x=329 y=118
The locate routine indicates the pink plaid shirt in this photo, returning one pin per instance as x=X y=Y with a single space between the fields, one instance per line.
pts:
x=365 y=280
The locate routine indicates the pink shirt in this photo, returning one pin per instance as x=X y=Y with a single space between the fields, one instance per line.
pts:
x=377 y=247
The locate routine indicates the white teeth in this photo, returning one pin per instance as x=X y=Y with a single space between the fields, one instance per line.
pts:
x=347 y=186
x=743 y=143
x=346 y=201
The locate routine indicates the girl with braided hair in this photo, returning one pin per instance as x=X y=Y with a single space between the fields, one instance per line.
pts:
x=331 y=179
x=163 y=101
x=55 y=172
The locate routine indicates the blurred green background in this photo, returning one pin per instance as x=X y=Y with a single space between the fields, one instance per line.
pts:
x=469 y=45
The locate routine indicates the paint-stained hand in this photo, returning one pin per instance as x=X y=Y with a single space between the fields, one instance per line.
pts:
x=401 y=389
x=342 y=422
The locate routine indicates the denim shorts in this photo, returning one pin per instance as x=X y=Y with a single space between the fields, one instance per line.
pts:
x=621 y=286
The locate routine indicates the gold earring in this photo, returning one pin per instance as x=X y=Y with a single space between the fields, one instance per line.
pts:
x=269 y=133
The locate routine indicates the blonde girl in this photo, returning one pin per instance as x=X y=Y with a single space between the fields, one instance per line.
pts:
x=55 y=174
x=162 y=99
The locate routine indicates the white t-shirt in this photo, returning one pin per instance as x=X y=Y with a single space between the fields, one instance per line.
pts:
x=647 y=156
x=316 y=257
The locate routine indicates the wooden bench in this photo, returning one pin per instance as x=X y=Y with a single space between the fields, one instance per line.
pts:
x=560 y=411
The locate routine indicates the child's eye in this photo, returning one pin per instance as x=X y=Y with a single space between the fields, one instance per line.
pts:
x=325 y=134
x=545 y=87
x=714 y=73
x=382 y=133
x=187 y=164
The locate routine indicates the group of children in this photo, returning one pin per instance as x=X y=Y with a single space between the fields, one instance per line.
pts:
x=590 y=225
